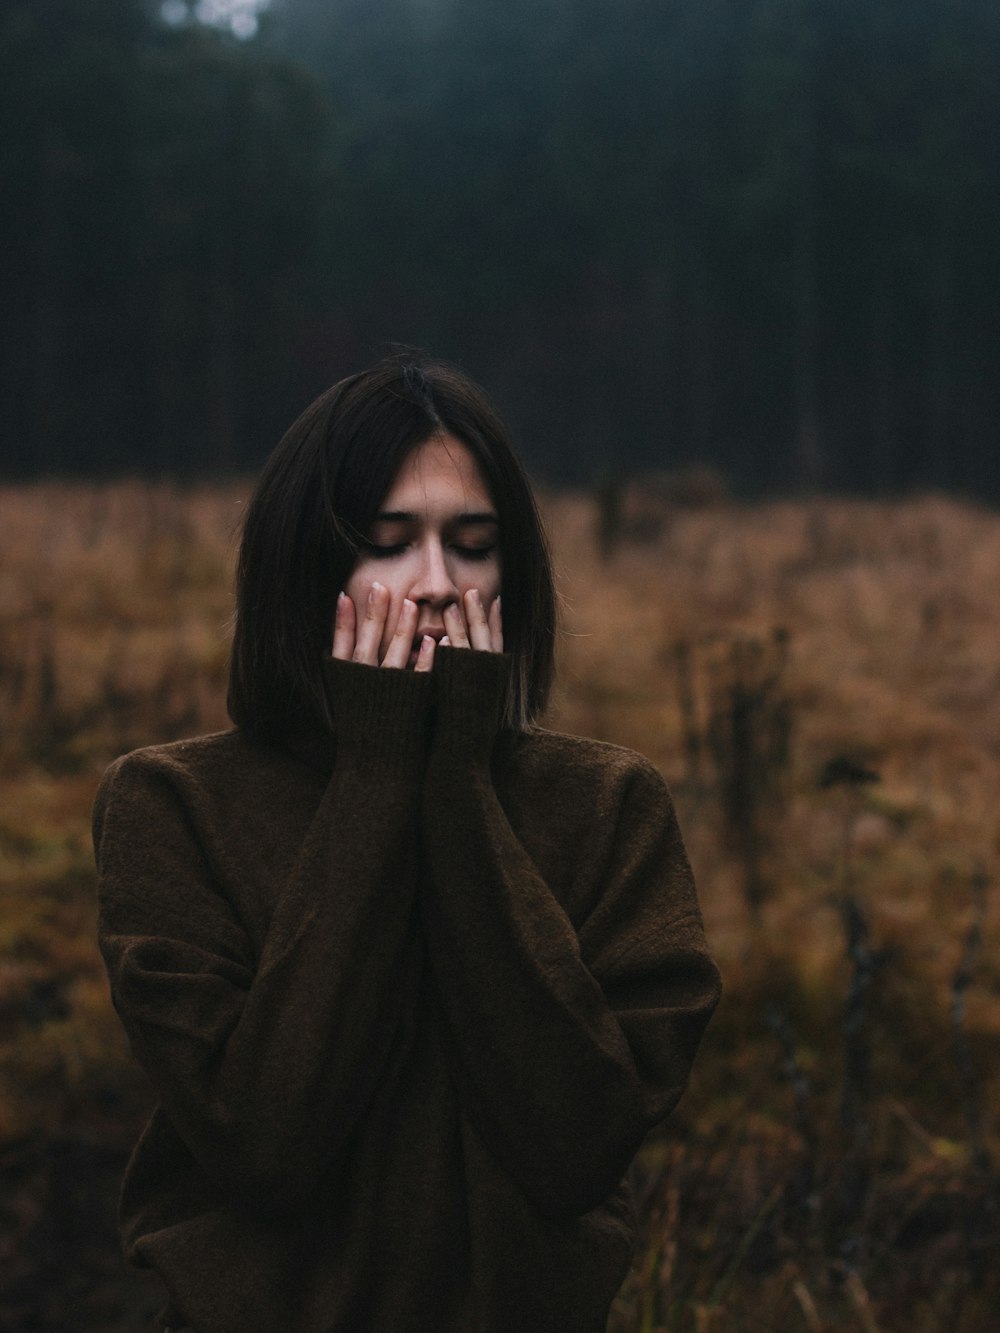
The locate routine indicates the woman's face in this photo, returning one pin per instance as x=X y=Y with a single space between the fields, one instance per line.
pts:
x=436 y=536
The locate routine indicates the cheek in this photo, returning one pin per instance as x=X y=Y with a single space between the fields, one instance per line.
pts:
x=358 y=586
x=363 y=575
x=484 y=576
x=361 y=578
x=492 y=582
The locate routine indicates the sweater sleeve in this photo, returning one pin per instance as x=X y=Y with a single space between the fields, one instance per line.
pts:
x=568 y=1047
x=265 y=1065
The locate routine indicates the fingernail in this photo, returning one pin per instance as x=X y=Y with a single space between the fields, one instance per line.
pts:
x=340 y=599
x=476 y=597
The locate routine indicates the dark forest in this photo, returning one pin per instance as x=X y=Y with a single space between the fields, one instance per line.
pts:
x=753 y=234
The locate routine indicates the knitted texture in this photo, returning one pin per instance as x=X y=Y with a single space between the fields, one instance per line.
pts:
x=411 y=997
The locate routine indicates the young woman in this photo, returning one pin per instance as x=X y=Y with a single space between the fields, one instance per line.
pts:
x=412 y=976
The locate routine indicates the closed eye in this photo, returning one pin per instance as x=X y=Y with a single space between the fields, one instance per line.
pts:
x=464 y=552
x=383 y=552
x=474 y=552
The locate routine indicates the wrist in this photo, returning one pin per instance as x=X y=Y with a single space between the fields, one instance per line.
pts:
x=470 y=693
x=377 y=712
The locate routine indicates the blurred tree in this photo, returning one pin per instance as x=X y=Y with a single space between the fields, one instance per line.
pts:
x=755 y=232
x=164 y=193
x=232 y=181
x=64 y=91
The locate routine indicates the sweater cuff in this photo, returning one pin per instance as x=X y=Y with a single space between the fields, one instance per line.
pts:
x=378 y=712
x=471 y=690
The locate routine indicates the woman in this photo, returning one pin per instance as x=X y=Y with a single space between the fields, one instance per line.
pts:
x=412 y=976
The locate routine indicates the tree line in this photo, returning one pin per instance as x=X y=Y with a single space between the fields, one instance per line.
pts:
x=753 y=233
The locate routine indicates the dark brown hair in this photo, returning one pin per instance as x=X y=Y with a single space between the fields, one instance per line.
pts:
x=313 y=505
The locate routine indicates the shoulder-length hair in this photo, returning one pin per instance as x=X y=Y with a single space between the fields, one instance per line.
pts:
x=314 y=503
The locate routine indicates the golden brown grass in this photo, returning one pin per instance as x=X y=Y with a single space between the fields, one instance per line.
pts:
x=832 y=1164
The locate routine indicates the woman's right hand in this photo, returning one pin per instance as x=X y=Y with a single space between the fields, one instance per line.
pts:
x=362 y=643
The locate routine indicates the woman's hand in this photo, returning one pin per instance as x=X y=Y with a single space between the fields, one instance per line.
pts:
x=468 y=625
x=476 y=628
x=360 y=643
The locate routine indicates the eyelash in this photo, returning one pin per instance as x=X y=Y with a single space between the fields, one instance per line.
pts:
x=466 y=552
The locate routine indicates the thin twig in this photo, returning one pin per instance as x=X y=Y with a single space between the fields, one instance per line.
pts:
x=960 y=983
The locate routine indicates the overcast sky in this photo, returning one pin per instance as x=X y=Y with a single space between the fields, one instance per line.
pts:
x=239 y=16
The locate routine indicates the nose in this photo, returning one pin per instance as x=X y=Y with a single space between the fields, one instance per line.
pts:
x=434 y=585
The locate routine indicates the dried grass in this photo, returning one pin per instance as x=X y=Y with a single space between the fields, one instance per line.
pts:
x=832 y=1166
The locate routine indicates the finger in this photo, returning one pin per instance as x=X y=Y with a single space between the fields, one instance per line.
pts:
x=455 y=624
x=401 y=644
x=369 y=635
x=496 y=627
x=344 y=622
x=475 y=618
x=425 y=658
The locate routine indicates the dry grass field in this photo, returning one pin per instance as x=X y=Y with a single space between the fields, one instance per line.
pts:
x=818 y=681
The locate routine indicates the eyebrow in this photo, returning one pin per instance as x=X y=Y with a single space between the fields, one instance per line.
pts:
x=460 y=520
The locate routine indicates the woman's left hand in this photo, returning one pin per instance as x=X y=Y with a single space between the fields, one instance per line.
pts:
x=470 y=626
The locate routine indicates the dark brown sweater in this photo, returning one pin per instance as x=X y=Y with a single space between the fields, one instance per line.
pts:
x=411 y=996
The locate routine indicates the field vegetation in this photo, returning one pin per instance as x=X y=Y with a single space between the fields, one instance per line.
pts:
x=819 y=681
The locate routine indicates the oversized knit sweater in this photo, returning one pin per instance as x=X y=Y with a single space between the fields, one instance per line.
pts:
x=411 y=994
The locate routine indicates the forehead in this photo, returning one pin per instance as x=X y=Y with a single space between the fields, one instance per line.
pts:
x=437 y=474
